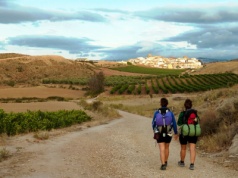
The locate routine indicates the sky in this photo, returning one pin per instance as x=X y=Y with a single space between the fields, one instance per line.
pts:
x=120 y=29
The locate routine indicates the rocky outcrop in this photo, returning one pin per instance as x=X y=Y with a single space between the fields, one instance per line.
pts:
x=233 y=150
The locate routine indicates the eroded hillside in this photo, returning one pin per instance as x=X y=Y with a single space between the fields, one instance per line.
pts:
x=219 y=67
x=23 y=69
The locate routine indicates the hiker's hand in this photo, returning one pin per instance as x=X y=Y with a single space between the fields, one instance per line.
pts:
x=176 y=137
x=156 y=136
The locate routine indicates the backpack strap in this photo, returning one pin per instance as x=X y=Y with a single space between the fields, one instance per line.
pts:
x=184 y=119
x=163 y=110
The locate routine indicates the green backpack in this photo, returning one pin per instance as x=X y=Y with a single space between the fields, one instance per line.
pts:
x=191 y=126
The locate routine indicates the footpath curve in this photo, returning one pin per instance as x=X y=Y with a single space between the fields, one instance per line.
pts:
x=124 y=148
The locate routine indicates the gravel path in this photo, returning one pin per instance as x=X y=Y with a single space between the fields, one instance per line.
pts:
x=124 y=148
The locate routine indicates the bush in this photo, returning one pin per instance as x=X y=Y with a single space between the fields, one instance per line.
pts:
x=228 y=114
x=219 y=127
x=96 y=83
x=209 y=122
x=41 y=135
x=10 y=83
x=4 y=154
x=96 y=105
x=31 y=121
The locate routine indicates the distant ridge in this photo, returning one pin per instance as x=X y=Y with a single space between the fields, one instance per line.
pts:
x=11 y=55
x=209 y=60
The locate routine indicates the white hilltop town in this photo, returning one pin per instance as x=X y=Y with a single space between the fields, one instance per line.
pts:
x=168 y=63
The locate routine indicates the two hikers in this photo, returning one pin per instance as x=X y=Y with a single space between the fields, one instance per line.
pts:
x=164 y=122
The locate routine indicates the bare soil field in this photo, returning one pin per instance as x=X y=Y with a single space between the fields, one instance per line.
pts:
x=39 y=92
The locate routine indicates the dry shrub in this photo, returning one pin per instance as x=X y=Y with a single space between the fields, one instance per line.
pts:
x=99 y=107
x=4 y=154
x=207 y=143
x=236 y=105
x=94 y=106
x=219 y=127
x=228 y=113
x=117 y=106
x=83 y=103
x=43 y=135
x=3 y=139
x=209 y=122
x=96 y=84
x=220 y=140
x=109 y=112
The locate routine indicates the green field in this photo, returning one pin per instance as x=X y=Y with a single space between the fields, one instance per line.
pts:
x=151 y=71
x=175 y=84
x=158 y=81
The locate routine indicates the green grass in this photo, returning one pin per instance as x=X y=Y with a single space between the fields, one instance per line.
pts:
x=147 y=70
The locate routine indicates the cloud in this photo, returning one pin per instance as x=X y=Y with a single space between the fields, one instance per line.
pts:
x=140 y=49
x=73 y=45
x=210 y=37
x=2 y=45
x=13 y=13
x=110 y=10
x=7 y=3
x=171 y=49
x=194 y=30
x=191 y=15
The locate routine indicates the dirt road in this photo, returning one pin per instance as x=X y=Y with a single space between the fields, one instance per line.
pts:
x=124 y=148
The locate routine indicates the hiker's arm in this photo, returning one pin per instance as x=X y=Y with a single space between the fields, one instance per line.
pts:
x=174 y=124
x=153 y=121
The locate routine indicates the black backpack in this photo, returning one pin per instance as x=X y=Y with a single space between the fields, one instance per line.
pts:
x=191 y=126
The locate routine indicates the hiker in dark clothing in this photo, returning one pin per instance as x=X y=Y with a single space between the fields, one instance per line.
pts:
x=187 y=139
x=163 y=123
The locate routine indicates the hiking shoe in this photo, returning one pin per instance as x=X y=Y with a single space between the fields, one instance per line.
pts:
x=163 y=167
x=181 y=164
x=191 y=167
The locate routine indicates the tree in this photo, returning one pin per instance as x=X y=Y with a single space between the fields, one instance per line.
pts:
x=96 y=83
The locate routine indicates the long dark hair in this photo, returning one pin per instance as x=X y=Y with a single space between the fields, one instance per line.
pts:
x=188 y=104
x=164 y=102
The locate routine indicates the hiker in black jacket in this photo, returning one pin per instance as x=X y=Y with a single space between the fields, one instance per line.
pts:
x=192 y=140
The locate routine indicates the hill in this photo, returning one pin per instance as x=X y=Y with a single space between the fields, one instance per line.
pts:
x=219 y=67
x=31 y=70
x=24 y=69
